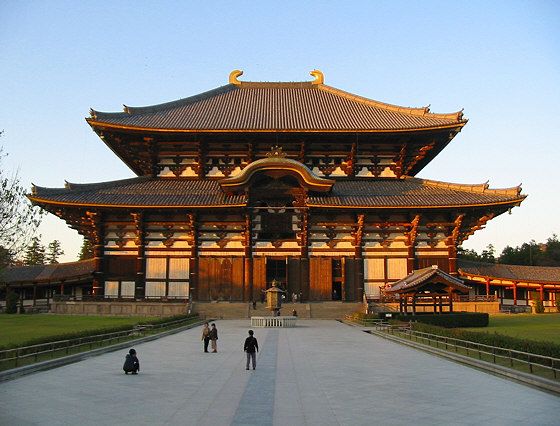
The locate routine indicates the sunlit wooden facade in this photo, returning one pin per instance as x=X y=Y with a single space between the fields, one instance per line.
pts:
x=253 y=181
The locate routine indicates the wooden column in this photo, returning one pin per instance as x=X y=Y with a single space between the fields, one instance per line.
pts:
x=515 y=293
x=450 y=300
x=411 y=244
x=61 y=288
x=487 y=286
x=541 y=290
x=452 y=253
x=248 y=266
x=194 y=264
x=96 y=222
x=414 y=303
x=34 y=294
x=140 y=279
x=304 y=249
x=358 y=254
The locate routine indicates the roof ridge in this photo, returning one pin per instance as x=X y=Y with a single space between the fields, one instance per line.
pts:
x=416 y=111
x=129 y=110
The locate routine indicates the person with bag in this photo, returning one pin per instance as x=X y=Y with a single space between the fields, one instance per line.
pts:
x=214 y=338
x=251 y=347
x=206 y=336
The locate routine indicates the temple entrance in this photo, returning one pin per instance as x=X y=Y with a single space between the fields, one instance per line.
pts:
x=276 y=269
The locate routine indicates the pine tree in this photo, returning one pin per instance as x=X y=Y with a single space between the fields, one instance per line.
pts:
x=54 y=251
x=34 y=253
x=86 y=252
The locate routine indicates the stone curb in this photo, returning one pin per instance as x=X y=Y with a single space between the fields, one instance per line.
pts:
x=70 y=359
x=525 y=378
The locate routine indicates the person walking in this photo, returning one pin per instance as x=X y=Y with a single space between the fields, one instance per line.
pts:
x=214 y=338
x=251 y=348
x=206 y=336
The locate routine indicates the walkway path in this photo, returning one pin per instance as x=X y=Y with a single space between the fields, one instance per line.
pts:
x=319 y=373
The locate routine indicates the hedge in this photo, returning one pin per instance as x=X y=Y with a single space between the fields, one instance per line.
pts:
x=445 y=319
x=493 y=339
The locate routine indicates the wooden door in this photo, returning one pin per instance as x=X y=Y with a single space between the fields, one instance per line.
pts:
x=237 y=279
x=353 y=279
x=320 y=278
x=259 y=277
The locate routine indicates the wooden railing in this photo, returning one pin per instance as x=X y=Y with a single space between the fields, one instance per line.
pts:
x=510 y=357
x=11 y=358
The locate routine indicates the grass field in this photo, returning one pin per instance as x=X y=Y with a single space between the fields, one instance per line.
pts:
x=543 y=327
x=20 y=329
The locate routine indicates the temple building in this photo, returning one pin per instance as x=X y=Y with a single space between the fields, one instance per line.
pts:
x=299 y=182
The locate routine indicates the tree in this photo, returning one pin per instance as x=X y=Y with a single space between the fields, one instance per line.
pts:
x=86 y=252
x=487 y=254
x=18 y=218
x=34 y=253
x=54 y=251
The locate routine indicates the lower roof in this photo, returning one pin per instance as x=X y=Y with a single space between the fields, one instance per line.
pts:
x=146 y=192
x=52 y=273
x=525 y=273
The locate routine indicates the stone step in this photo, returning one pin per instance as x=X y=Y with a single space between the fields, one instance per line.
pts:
x=239 y=310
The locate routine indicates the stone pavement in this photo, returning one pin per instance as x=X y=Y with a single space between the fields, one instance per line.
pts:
x=319 y=373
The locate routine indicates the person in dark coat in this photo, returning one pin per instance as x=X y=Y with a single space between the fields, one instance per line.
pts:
x=251 y=347
x=214 y=338
x=206 y=336
x=131 y=363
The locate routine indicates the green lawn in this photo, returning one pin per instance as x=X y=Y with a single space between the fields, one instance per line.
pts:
x=20 y=329
x=542 y=327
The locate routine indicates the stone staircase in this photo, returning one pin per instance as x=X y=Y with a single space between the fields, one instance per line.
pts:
x=238 y=310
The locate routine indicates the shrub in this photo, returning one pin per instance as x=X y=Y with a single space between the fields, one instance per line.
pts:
x=539 y=306
x=12 y=299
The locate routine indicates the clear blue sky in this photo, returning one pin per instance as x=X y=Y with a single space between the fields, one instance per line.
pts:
x=500 y=61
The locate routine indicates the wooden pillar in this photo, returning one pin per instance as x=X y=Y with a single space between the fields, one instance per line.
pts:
x=140 y=279
x=98 y=230
x=414 y=303
x=21 y=296
x=193 y=264
x=34 y=294
x=434 y=298
x=248 y=261
x=405 y=303
x=541 y=290
x=487 y=286
x=515 y=293
x=450 y=300
x=411 y=244
x=440 y=304
x=61 y=289
x=452 y=253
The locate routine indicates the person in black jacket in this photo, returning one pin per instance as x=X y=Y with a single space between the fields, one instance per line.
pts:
x=251 y=347
x=131 y=363
x=214 y=338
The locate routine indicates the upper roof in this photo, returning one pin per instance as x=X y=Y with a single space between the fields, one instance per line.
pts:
x=145 y=192
x=538 y=274
x=54 y=272
x=264 y=106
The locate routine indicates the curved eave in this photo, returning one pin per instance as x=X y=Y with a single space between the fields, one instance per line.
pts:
x=470 y=276
x=44 y=201
x=104 y=125
x=313 y=182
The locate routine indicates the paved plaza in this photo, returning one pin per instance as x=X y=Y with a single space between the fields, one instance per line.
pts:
x=319 y=373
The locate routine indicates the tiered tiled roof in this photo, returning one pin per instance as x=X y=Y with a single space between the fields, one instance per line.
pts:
x=539 y=274
x=48 y=273
x=365 y=192
x=264 y=106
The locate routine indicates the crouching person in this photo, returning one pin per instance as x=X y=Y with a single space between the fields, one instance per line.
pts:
x=131 y=363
